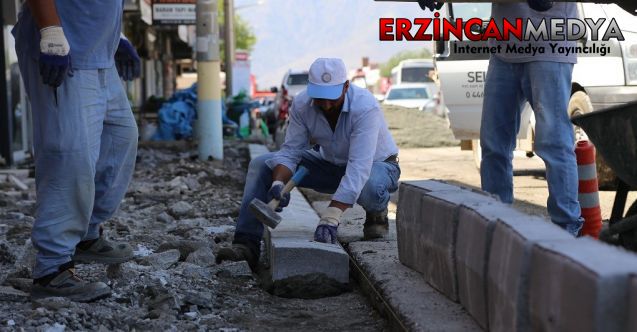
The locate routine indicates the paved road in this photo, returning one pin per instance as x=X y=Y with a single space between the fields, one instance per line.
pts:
x=452 y=164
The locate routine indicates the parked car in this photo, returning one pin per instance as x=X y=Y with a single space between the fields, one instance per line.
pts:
x=412 y=95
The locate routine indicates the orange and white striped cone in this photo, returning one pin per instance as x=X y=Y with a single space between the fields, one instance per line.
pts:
x=588 y=189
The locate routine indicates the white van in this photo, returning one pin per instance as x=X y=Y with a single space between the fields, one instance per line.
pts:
x=413 y=71
x=598 y=81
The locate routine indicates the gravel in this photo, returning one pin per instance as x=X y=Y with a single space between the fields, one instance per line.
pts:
x=177 y=213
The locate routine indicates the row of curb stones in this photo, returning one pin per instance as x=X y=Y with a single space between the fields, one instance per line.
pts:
x=512 y=271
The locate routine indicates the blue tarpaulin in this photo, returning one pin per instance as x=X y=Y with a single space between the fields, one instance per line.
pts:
x=178 y=114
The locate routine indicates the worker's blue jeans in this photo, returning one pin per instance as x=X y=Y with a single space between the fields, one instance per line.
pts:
x=547 y=87
x=323 y=177
x=85 y=145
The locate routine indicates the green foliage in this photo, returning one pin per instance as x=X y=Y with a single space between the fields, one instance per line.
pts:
x=385 y=68
x=244 y=37
x=243 y=34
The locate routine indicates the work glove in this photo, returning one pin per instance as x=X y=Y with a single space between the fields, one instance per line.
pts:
x=430 y=4
x=275 y=193
x=127 y=60
x=327 y=229
x=55 y=60
x=540 y=5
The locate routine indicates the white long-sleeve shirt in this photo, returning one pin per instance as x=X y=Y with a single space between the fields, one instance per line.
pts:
x=361 y=137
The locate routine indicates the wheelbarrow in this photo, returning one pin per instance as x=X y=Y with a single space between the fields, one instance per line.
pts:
x=613 y=131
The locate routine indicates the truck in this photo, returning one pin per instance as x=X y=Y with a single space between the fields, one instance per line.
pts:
x=598 y=81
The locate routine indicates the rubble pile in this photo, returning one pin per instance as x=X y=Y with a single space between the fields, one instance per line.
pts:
x=177 y=213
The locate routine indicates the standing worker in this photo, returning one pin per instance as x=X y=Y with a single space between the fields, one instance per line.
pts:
x=544 y=80
x=85 y=135
x=356 y=160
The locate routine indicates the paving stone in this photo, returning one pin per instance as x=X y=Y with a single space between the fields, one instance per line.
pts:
x=509 y=268
x=579 y=285
x=426 y=186
x=476 y=222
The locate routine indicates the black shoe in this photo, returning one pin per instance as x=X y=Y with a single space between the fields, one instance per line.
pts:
x=237 y=253
x=102 y=251
x=65 y=283
x=376 y=225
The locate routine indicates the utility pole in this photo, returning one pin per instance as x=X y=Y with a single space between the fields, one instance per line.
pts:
x=6 y=118
x=228 y=9
x=209 y=84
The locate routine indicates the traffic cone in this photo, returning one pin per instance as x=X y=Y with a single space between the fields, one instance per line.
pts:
x=588 y=189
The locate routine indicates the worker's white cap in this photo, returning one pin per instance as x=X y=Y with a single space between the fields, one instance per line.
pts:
x=327 y=76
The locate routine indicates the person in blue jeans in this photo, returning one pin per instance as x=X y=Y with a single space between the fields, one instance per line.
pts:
x=355 y=159
x=544 y=80
x=71 y=56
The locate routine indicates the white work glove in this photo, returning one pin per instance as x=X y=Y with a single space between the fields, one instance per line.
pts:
x=53 y=41
x=327 y=229
x=55 y=60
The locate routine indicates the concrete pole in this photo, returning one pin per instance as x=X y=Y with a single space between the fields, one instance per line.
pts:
x=228 y=9
x=6 y=113
x=208 y=82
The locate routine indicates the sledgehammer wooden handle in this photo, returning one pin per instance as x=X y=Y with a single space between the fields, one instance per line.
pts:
x=300 y=173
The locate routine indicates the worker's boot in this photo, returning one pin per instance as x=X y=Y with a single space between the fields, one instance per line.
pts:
x=102 y=251
x=376 y=225
x=65 y=283
x=240 y=252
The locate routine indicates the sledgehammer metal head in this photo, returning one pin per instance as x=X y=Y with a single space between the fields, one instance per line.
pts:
x=266 y=213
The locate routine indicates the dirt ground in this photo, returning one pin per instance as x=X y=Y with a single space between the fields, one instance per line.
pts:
x=415 y=129
x=452 y=164
x=177 y=213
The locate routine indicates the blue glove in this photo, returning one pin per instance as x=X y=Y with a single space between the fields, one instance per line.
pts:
x=430 y=4
x=326 y=231
x=275 y=193
x=540 y=5
x=326 y=234
x=127 y=60
x=55 y=59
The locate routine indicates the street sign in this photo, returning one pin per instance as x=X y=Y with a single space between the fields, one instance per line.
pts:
x=174 y=12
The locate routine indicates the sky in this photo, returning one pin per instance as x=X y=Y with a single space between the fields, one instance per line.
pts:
x=292 y=33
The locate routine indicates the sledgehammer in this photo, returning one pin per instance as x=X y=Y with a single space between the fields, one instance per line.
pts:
x=266 y=213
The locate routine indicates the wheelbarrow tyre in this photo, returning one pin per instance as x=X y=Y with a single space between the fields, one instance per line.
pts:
x=580 y=103
x=629 y=239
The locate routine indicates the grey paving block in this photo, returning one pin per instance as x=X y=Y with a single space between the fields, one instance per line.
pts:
x=293 y=257
x=579 y=285
x=430 y=185
x=472 y=255
x=408 y=219
x=436 y=235
x=509 y=267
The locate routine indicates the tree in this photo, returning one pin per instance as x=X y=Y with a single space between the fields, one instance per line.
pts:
x=385 y=68
x=244 y=37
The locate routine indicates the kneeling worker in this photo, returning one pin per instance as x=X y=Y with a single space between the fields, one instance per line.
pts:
x=356 y=160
